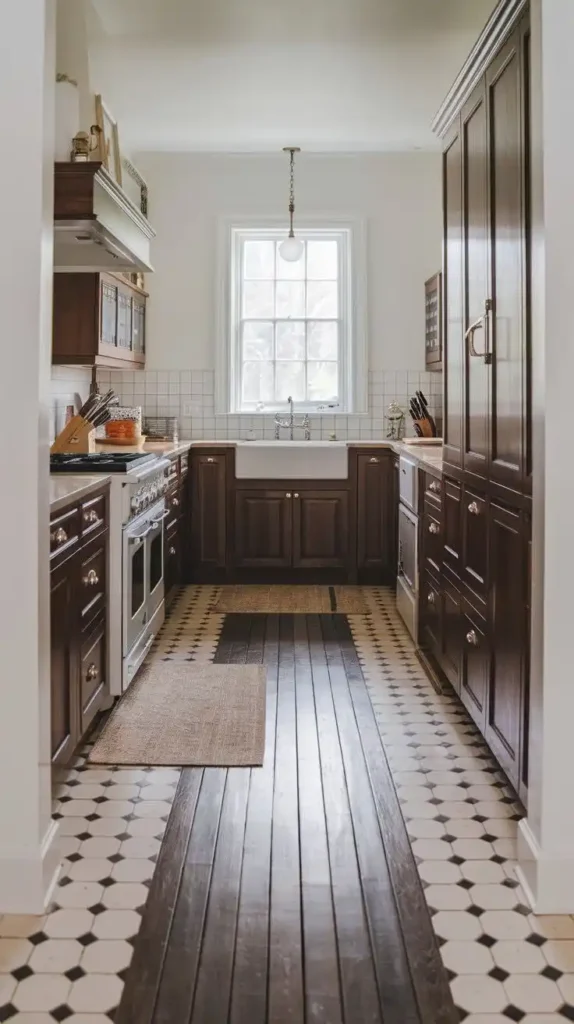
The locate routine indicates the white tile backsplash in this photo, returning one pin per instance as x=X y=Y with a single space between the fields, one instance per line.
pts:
x=189 y=395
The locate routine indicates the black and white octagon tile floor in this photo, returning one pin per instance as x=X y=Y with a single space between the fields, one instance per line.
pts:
x=504 y=964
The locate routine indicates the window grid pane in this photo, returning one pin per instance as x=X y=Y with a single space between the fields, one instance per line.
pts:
x=282 y=292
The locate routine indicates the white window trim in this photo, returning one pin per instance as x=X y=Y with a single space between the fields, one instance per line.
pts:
x=354 y=365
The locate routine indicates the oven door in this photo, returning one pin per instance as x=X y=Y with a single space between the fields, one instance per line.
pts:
x=408 y=529
x=135 y=580
x=156 y=567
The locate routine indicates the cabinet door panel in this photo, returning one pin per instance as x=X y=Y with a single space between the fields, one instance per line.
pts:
x=453 y=354
x=375 y=521
x=320 y=529
x=475 y=665
x=432 y=543
x=209 y=512
x=451 y=525
x=430 y=612
x=93 y=668
x=508 y=617
x=64 y=683
x=451 y=657
x=507 y=220
x=476 y=280
x=263 y=529
x=475 y=524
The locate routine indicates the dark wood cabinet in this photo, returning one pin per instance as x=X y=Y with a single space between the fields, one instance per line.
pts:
x=63 y=669
x=453 y=343
x=263 y=529
x=320 y=529
x=376 y=517
x=484 y=123
x=508 y=609
x=98 y=320
x=78 y=614
x=209 y=501
x=486 y=255
x=176 y=532
x=475 y=665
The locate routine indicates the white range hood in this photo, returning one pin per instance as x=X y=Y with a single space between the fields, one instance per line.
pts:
x=96 y=225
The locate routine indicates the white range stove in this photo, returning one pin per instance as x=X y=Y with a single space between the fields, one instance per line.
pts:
x=136 y=607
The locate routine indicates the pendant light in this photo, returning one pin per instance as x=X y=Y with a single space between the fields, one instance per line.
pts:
x=292 y=248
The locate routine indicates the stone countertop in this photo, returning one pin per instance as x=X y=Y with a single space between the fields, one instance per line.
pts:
x=428 y=456
x=67 y=488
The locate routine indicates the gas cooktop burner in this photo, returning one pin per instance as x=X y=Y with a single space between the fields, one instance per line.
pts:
x=99 y=462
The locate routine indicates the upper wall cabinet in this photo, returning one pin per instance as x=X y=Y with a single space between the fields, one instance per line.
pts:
x=486 y=258
x=98 y=320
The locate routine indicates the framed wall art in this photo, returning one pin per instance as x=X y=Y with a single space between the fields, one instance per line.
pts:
x=109 y=149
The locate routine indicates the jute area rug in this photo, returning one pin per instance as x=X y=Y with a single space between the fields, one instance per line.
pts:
x=290 y=600
x=180 y=714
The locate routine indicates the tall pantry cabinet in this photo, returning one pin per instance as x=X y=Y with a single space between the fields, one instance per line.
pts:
x=484 y=124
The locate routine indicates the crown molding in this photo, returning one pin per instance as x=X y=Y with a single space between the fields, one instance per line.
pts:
x=497 y=28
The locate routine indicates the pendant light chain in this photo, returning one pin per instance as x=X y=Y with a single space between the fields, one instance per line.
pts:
x=291 y=192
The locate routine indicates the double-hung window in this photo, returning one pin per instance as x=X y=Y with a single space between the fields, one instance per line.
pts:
x=292 y=329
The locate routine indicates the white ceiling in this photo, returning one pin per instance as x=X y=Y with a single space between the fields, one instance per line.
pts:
x=254 y=75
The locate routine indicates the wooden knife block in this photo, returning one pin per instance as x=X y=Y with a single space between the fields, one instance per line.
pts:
x=78 y=437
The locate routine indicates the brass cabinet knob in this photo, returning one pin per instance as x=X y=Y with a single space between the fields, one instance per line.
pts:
x=92 y=672
x=434 y=528
x=91 y=516
x=373 y=459
x=474 y=508
x=175 y=502
x=288 y=495
x=434 y=487
x=59 y=536
x=171 y=551
x=472 y=638
x=296 y=495
x=210 y=458
x=431 y=598
x=91 y=579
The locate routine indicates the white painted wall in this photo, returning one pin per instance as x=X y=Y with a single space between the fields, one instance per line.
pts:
x=28 y=851
x=399 y=195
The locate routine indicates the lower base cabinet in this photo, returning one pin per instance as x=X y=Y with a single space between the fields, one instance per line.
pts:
x=291 y=529
x=475 y=627
x=78 y=614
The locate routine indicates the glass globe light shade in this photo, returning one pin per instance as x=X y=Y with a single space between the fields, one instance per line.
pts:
x=291 y=249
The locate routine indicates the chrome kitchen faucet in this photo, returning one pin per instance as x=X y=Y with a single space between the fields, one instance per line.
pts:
x=290 y=424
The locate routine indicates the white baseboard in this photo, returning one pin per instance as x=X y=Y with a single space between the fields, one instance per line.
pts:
x=27 y=883
x=548 y=883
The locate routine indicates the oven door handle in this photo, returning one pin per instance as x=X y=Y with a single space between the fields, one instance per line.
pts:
x=136 y=537
x=157 y=522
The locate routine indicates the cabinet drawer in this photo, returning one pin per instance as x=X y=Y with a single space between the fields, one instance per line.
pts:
x=432 y=539
x=173 y=504
x=93 y=573
x=94 y=515
x=65 y=533
x=93 y=672
x=475 y=664
x=474 y=531
x=430 y=614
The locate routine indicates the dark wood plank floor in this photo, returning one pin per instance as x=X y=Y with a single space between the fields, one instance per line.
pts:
x=289 y=893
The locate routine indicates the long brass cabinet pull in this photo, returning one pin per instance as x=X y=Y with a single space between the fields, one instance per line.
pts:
x=480 y=325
